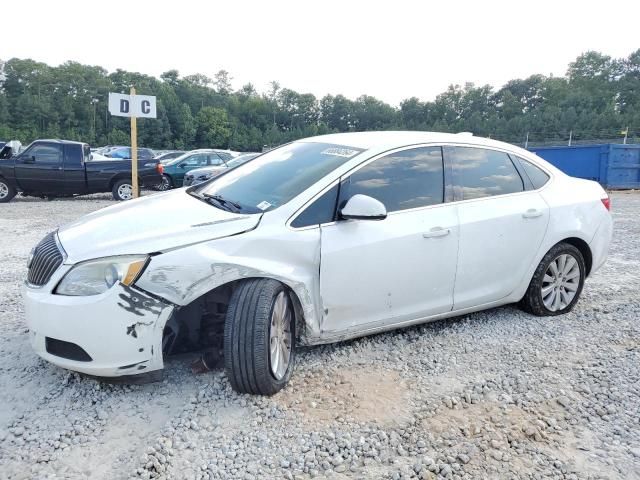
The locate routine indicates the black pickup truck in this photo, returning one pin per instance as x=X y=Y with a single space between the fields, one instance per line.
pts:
x=61 y=168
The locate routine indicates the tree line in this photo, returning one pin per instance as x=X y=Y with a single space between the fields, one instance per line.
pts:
x=598 y=98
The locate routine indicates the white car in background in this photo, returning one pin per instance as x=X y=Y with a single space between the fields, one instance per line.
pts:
x=320 y=240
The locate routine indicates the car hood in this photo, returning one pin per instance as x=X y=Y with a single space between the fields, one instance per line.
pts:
x=150 y=224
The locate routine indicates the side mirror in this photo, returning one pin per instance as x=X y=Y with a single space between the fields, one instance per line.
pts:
x=363 y=207
x=182 y=165
x=29 y=159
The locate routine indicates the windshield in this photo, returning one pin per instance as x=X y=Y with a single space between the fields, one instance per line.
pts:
x=274 y=178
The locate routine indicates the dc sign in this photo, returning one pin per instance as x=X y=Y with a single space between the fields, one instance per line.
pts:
x=140 y=106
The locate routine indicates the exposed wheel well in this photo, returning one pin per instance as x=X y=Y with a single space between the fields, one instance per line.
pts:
x=584 y=250
x=199 y=326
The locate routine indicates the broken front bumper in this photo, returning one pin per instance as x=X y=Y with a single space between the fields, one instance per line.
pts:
x=116 y=333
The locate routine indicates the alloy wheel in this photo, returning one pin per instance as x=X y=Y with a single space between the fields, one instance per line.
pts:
x=280 y=336
x=125 y=191
x=4 y=190
x=560 y=282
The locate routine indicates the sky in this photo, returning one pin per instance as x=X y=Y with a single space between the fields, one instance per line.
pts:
x=393 y=49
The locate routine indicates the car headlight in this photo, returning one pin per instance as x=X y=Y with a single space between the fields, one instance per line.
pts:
x=97 y=276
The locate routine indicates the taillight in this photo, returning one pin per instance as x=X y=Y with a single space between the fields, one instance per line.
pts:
x=160 y=168
x=606 y=201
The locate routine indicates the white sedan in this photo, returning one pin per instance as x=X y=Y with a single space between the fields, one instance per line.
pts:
x=320 y=240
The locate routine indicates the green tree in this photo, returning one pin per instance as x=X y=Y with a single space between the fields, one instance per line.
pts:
x=213 y=128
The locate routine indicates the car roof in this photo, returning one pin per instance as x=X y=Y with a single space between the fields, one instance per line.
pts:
x=395 y=139
x=62 y=142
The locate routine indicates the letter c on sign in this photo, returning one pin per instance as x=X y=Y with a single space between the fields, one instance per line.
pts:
x=146 y=106
x=124 y=106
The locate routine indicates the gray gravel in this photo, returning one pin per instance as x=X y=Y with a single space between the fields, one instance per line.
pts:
x=497 y=394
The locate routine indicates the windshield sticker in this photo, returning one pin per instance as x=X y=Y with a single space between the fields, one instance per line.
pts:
x=263 y=205
x=340 y=152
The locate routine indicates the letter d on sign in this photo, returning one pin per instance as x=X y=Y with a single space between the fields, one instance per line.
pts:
x=124 y=106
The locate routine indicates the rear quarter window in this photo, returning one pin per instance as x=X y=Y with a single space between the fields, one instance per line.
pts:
x=537 y=176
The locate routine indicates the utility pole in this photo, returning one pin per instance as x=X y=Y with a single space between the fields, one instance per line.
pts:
x=134 y=151
x=94 y=102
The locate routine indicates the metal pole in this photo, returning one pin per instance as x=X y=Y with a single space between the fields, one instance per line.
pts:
x=570 y=136
x=626 y=132
x=526 y=142
x=134 y=148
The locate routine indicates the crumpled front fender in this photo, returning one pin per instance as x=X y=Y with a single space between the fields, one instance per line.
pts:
x=291 y=257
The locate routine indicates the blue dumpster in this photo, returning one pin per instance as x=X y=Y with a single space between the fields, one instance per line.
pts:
x=613 y=165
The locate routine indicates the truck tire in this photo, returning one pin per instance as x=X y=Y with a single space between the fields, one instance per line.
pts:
x=557 y=282
x=122 y=190
x=7 y=191
x=259 y=337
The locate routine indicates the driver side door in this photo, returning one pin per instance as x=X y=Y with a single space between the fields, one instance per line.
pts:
x=39 y=169
x=382 y=273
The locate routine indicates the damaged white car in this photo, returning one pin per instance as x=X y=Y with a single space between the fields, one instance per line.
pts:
x=321 y=240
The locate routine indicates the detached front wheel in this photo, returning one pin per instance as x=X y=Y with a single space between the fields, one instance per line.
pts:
x=259 y=337
x=122 y=190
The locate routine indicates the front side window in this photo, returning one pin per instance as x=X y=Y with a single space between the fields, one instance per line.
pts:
x=537 y=176
x=50 y=154
x=479 y=172
x=402 y=180
x=276 y=177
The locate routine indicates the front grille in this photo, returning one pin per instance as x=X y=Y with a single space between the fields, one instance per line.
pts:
x=46 y=259
x=67 y=350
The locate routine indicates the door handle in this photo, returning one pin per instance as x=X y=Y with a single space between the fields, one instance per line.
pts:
x=436 y=232
x=532 y=213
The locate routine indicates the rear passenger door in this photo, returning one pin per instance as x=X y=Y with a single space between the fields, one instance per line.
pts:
x=502 y=224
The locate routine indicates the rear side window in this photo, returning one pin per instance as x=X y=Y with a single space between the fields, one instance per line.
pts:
x=73 y=155
x=321 y=210
x=537 y=176
x=402 y=180
x=479 y=172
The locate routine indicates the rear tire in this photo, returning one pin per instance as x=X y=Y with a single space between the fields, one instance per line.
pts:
x=7 y=191
x=166 y=184
x=557 y=282
x=259 y=349
x=122 y=190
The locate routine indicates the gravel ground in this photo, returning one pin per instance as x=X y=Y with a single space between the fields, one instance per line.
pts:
x=497 y=394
